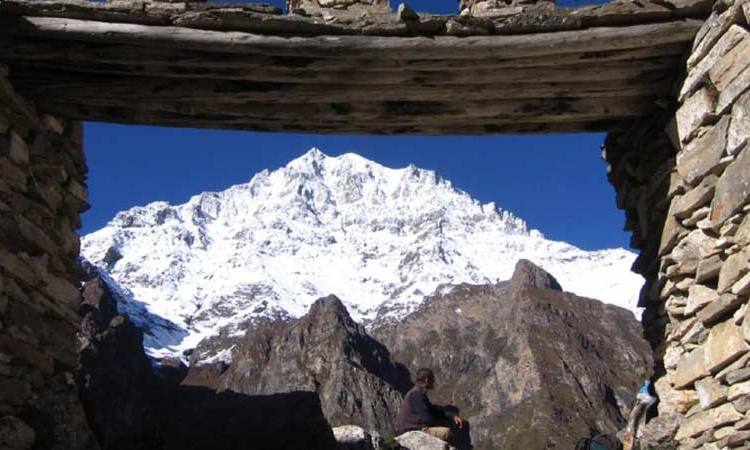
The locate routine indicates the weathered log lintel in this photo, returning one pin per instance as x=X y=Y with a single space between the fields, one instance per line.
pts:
x=179 y=76
x=77 y=54
x=472 y=47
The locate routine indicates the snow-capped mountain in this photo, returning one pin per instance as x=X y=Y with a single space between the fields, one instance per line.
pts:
x=381 y=239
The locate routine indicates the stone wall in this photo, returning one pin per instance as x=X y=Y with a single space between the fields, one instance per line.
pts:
x=337 y=7
x=42 y=193
x=683 y=179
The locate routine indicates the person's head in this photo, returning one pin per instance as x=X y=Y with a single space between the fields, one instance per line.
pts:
x=426 y=378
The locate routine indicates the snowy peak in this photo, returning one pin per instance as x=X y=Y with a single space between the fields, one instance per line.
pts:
x=378 y=238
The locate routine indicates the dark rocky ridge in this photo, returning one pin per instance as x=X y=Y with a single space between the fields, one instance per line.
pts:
x=324 y=352
x=532 y=367
x=131 y=405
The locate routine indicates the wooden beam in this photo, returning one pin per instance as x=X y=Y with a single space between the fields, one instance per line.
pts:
x=156 y=58
x=111 y=90
x=647 y=70
x=363 y=115
x=477 y=127
x=471 y=47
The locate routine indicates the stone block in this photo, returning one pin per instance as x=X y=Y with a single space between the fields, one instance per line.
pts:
x=50 y=123
x=713 y=29
x=15 y=434
x=723 y=432
x=710 y=392
x=18 y=267
x=696 y=111
x=672 y=357
x=33 y=236
x=742 y=425
x=338 y=7
x=734 y=268
x=739 y=316
x=733 y=189
x=719 y=309
x=702 y=154
x=688 y=203
x=729 y=65
x=690 y=368
x=707 y=420
x=708 y=268
x=685 y=284
x=742 y=405
x=78 y=190
x=27 y=353
x=4 y=124
x=734 y=440
x=698 y=297
x=697 y=216
x=739 y=364
x=696 y=334
x=742 y=234
x=735 y=87
x=677 y=185
x=738 y=390
x=733 y=36
x=60 y=289
x=14 y=391
x=670 y=234
x=689 y=252
x=742 y=286
x=739 y=130
x=19 y=151
x=724 y=345
x=13 y=175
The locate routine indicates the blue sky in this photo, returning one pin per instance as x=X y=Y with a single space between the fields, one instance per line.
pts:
x=557 y=183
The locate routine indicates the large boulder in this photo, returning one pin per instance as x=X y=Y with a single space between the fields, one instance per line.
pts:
x=352 y=437
x=417 y=440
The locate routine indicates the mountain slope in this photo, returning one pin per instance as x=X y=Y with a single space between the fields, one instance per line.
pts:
x=530 y=367
x=324 y=352
x=380 y=239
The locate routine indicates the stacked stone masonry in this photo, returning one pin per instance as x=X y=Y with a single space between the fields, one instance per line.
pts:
x=42 y=193
x=683 y=178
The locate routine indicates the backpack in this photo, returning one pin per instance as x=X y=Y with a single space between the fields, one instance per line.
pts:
x=599 y=442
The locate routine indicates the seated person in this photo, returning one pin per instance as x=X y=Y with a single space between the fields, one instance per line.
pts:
x=417 y=413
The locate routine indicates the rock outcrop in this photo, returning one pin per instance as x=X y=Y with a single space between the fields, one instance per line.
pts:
x=116 y=383
x=133 y=403
x=324 y=352
x=530 y=366
x=352 y=437
x=416 y=440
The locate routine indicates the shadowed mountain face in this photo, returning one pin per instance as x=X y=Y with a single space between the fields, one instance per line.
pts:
x=325 y=352
x=131 y=407
x=530 y=366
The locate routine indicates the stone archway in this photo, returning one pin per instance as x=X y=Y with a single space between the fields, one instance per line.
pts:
x=679 y=163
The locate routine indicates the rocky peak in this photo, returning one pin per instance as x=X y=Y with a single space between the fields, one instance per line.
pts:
x=325 y=352
x=329 y=310
x=529 y=275
x=529 y=366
